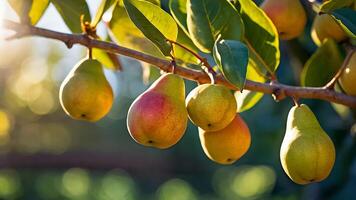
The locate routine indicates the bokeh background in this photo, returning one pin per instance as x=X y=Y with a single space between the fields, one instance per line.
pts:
x=46 y=155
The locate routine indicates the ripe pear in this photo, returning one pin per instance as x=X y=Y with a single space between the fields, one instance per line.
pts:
x=288 y=16
x=347 y=79
x=227 y=145
x=324 y=26
x=211 y=106
x=307 y=153
x=85 y=94
x=158 y=117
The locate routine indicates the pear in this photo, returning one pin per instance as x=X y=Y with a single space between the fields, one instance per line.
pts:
x=85 y=94
x=307 y=153
x=211 y=106
x=347 y=79
x=227 y=145
x=288 y=16
x=158 y=117
x=324 y=26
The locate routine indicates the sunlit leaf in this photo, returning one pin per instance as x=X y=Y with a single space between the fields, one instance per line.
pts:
x=71 y=11
x=29 y=10
x=154 y=23
x=209 y=19
x=232 y=59
x=261 y=37
x=322 y=65
x=110 y=61
x=104 y=5
x=128 y=35
x=330 y=5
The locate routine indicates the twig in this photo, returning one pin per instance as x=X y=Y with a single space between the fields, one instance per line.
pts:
x=199 y=76
x=330 y=85
x=206 y=66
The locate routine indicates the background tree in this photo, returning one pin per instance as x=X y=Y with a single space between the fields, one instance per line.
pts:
x=234 y=44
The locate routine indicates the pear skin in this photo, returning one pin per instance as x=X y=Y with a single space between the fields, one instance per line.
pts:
x=158 y=117
x=227 y=145
x=324 y=26
x=288 y=16
x=85 y=94
x=347 y=79
x=307 y=153
x=211 y=106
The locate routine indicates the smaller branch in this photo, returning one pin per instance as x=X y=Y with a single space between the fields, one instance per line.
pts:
x=207 y=67
x=330 y=85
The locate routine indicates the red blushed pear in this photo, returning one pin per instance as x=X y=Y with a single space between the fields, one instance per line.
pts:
x=158 y=117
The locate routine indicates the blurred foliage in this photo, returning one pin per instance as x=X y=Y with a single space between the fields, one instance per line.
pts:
x=33 y=128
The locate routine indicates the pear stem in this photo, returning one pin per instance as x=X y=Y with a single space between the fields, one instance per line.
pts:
x=330 y=85
x=295 y=100
x=205 y=64
x=90 y=53
x=22 y=30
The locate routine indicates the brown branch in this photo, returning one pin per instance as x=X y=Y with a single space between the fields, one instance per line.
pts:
x=330 y=85
x=199 y=76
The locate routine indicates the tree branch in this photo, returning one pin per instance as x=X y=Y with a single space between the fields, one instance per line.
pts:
x=279 y=90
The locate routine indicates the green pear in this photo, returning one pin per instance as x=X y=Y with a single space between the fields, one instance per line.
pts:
x=158 y=117
x=288 y=16
x=347 y=79
x=211 y=106
x=324 y=26
x=85 y=94
x=307 y=153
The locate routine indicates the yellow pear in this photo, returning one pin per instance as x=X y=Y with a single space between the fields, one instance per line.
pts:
x=324 y=26
x=158 y=117
x=307 y=153
x=227 y=145
x=85 y=94
x=347 y=79
x=211 y=106
x=288 y=16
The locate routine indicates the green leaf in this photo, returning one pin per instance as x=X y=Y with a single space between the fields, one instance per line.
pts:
x=331 y=5
x=322 y=65
x=346 y=17
x=209 y=19
x=110 y=61
x=128 y=35
x=71 y=11
x=154 y=23
x=178 y=10
x=261 y=37
x=104 y=5
x=232 y=59
x=247 y=99
x=184 y=57
x=29 y=10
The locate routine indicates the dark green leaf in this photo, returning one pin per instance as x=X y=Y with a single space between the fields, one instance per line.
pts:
x=29 y=10
x=154 y=23
x=322 y=65
x=261 y=37
x=247 y=99
x=346 y=17
x=71 y=11
x=178 y=9
x=232 y=59
x=209 y=19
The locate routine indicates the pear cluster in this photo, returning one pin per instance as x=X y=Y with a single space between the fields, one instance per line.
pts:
x=158 y=118
x=290 y=18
